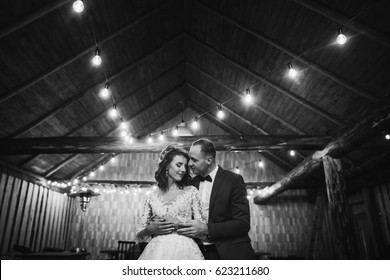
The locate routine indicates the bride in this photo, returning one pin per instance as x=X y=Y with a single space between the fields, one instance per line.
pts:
x=171 y=203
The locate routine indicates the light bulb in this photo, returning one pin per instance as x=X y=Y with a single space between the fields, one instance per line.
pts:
x=387 y=136
x=195 y=124
x=175 y=132
x=220 y=113
x=78 y=6
x=113 y=113
x=261 y=164
x=248 y=97
x=123 y=133
x=292 y=153
x=123 y=125
x=84 y=178
x=150 y=139
x=75 y=181
x=97 y=60
x=101 y=167
x=104 y=93
x=161 y=137
x=92 y=174
x=113 y=159
x=341 y=39
x=291 y=71
x=131 y=139
x=237 y=170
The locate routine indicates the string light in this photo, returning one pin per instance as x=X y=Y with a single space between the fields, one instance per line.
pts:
x=78 y=6
x=261 y=164
x=237 y=170
x=248 y=97
x=92 y=174
x=341 y=38
x=123 y=124
x=97 y=60
x=162 y=136
x=292 y=153
x=195 y=123
x=220 y=113
x=175 y=132
x=113 y=159
x=75 y=181
x=291 y=71
x=101 y=167
x=387 y=136
x=113 y=112
x=104 y=93
x=84 y=178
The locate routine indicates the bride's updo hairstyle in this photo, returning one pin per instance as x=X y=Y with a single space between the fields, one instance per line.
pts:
x=164 y=160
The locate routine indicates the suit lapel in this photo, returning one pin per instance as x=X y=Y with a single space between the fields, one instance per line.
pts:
x=216 y=186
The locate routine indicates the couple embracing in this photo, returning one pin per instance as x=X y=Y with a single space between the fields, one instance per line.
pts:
x=206 y=217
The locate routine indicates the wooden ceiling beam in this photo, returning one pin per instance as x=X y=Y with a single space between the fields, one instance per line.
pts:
x=154 y=125
x=94 y=88
x=254 y=103
x=351 y=139
x=344 y=20
x=115 y=130
x=296 y=56
x=84 y=145
x=4 y=97
x=51 y=6
x=317 y=110
x=267 y=154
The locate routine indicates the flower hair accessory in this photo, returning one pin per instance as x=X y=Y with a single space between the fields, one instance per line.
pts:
x=164 y=153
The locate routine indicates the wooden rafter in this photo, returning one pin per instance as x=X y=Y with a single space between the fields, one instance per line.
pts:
x=254 y=103
x=296 y=56
x=145 y=131
x=83 y=145
x=267 y=154
x=278 y=88
x=342 y=19
x=4 y=97
x=51 y=6
x=119 y=102
x=95 y=87
x=368 y=128
x=248 y=122
x=115 y=130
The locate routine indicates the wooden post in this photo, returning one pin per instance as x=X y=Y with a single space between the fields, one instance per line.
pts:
x=338 y=210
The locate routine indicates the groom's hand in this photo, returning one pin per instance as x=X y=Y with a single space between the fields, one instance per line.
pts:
x=160 y=226
x=193 y=228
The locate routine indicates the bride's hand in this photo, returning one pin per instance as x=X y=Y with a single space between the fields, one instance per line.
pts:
x=172 y=220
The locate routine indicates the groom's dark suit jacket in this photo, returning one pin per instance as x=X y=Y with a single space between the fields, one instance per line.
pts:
x=229 y=216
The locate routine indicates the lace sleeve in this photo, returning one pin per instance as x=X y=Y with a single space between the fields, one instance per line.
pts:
x=145 y=219
x=196 y=206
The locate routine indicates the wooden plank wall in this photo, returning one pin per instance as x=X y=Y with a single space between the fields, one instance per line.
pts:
x=370 y=207
x=281 y=228
x=32 y=216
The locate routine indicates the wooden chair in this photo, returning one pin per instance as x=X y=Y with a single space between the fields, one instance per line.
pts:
x=126 y=250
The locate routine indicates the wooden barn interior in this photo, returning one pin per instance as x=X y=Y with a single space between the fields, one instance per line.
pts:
x=313 y=149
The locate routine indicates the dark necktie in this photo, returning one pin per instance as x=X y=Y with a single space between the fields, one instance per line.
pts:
x=205 y=178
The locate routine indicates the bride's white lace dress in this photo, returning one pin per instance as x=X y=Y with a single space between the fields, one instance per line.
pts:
x=185 y=206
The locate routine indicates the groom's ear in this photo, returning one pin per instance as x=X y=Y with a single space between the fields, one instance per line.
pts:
x=209 y=159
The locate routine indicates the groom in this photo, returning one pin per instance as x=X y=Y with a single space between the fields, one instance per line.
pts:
x=224 y=199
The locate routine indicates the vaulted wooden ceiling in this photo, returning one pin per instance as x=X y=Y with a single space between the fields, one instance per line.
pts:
x=168 y=59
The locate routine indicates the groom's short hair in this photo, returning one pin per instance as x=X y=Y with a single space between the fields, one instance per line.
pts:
x=206 y=146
